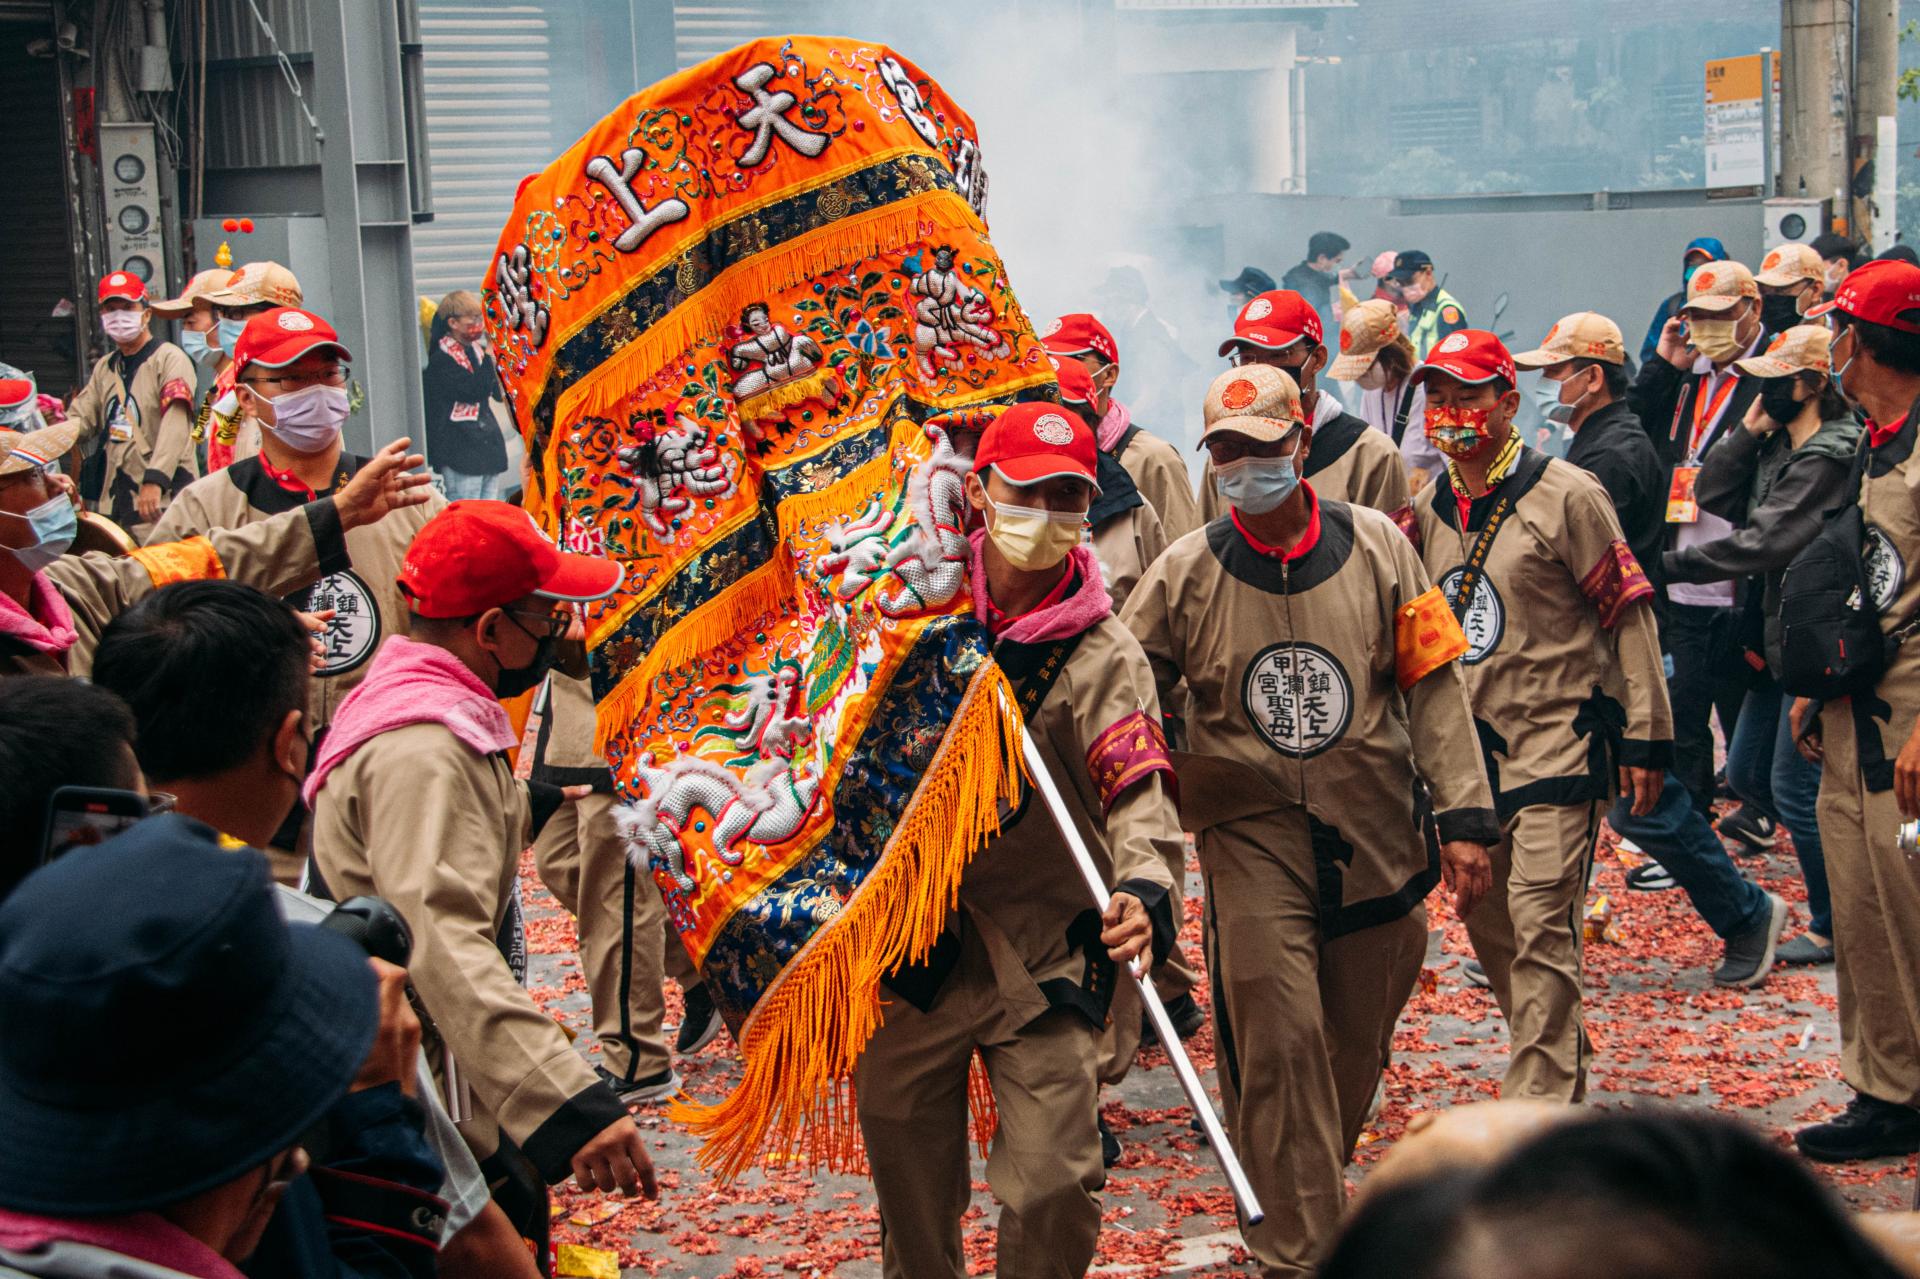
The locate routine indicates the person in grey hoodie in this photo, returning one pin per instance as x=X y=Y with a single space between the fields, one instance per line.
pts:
x=1778 y=478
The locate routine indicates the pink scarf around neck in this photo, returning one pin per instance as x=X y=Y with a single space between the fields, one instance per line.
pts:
x=1112 y=426
x=45 y=625
x=412 y=683
x=1083 y=608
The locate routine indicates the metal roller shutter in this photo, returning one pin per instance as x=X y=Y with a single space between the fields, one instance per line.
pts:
x=39 y=263
x=489 y=87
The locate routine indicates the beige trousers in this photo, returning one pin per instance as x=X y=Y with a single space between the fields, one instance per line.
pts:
x=1044 y=1166
x=1304 y=1027
x=626 y=943
x=1876 y=921
x=1526 y=933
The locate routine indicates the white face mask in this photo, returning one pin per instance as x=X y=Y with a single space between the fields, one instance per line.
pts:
x=1374 y=378
x=308 y=420
x=122 y=326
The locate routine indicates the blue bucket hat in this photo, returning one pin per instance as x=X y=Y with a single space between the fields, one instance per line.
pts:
x=159 y=957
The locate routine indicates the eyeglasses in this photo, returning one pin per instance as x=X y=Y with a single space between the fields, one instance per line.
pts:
x=555 y=624
x=336 y=376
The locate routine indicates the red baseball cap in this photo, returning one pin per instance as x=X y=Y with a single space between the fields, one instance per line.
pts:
x=1884 y=291
x=1080 y=334
x=1471 y=355
x=477 y=555
x=122 y=284
x=1035 y=441
x=1274 y=321
x=278 y=337
x=1076 y=384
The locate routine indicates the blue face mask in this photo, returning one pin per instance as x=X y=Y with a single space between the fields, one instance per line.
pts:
x=230 y=334
x=1256 y=485
x=54 y=524
x=194 y=343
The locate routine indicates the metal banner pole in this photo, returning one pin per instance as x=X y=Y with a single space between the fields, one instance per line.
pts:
x=1243 y=1195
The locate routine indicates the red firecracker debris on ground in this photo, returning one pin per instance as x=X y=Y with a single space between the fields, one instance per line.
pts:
x=1663 y=1034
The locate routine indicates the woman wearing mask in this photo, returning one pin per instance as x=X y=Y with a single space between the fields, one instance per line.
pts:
x=1778 y=478
x=1378 y=358
x=290 y=379
x=1791 y=279
x=461 y=382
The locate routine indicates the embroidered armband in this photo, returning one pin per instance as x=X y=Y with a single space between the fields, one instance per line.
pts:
x=1407 y=523
x=193 y=560
x=176 y=391
x=1615 y=582
x=1128 y=752
x=1426 y=636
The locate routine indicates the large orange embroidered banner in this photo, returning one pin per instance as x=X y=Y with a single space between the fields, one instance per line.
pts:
x=748 y=326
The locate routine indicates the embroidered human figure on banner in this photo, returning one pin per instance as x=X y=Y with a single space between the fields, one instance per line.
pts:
x=619 y=182
x=767 y=117
x=770 y=354
x=686 y=465
x=950 y=312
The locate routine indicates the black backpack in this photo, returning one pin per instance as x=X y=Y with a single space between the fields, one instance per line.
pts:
x=1831 y=644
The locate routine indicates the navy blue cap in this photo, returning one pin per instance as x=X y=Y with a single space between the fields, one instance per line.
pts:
x=161 y=1029
x=1407 y=263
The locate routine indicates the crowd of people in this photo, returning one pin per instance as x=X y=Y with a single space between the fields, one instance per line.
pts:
x=251 y=715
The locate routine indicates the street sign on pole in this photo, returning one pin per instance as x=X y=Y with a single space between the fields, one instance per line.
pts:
x=1740 y=148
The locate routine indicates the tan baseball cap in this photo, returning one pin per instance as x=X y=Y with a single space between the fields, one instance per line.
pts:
x=1719 y=286
x=200 y=288
x=33 y=450
x=1804 y=348
x=1584 y=335
x=258 y=282
x=1367 y=329
x=1790 y=264
x=1256 y=401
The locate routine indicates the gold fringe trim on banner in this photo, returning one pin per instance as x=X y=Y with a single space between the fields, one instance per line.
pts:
x=764 y=590
x=795 y=1096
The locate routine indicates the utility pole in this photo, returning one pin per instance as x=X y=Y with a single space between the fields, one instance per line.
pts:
x=1876 y=68
x=1816 y=64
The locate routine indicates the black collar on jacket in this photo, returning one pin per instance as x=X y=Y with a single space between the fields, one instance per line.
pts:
x=1263 y=572
x=264 y=493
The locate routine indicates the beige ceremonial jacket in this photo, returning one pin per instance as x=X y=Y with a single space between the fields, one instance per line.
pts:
x=1563 y=663
x=418 y=818
x=277 y=556
x=358 y=586
x=143 y=406
x=1890 y=504
x=1098 y=730
x=1162 y=479
x=1331 y=674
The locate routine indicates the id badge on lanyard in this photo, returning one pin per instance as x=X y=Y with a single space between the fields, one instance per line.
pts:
x=1682 y=506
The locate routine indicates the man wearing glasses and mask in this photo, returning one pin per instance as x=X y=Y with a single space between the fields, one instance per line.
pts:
x=290 y=379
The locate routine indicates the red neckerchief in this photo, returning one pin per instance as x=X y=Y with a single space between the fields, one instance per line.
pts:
x=1878 y=435
x=998 y=620
x=1308 y=539
x=293 y=483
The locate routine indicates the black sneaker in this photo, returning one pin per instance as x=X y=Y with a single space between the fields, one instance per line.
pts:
x=699 y=1024
x=1187 y=1018
x=1109 y=1144
x=1803 y=950
x=1867 y=1129
x=1750 y=955
x=652 y=1088
x=1721 y=788
x=1649 y=877
x=1745 y=826
x=1476 y=974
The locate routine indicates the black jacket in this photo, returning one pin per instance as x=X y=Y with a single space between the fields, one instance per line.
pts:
x=460 y=385
x=1781 y=495
x=1663 y=396
x=367 y=1208
x=1317 y=287
x=1612 y=447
